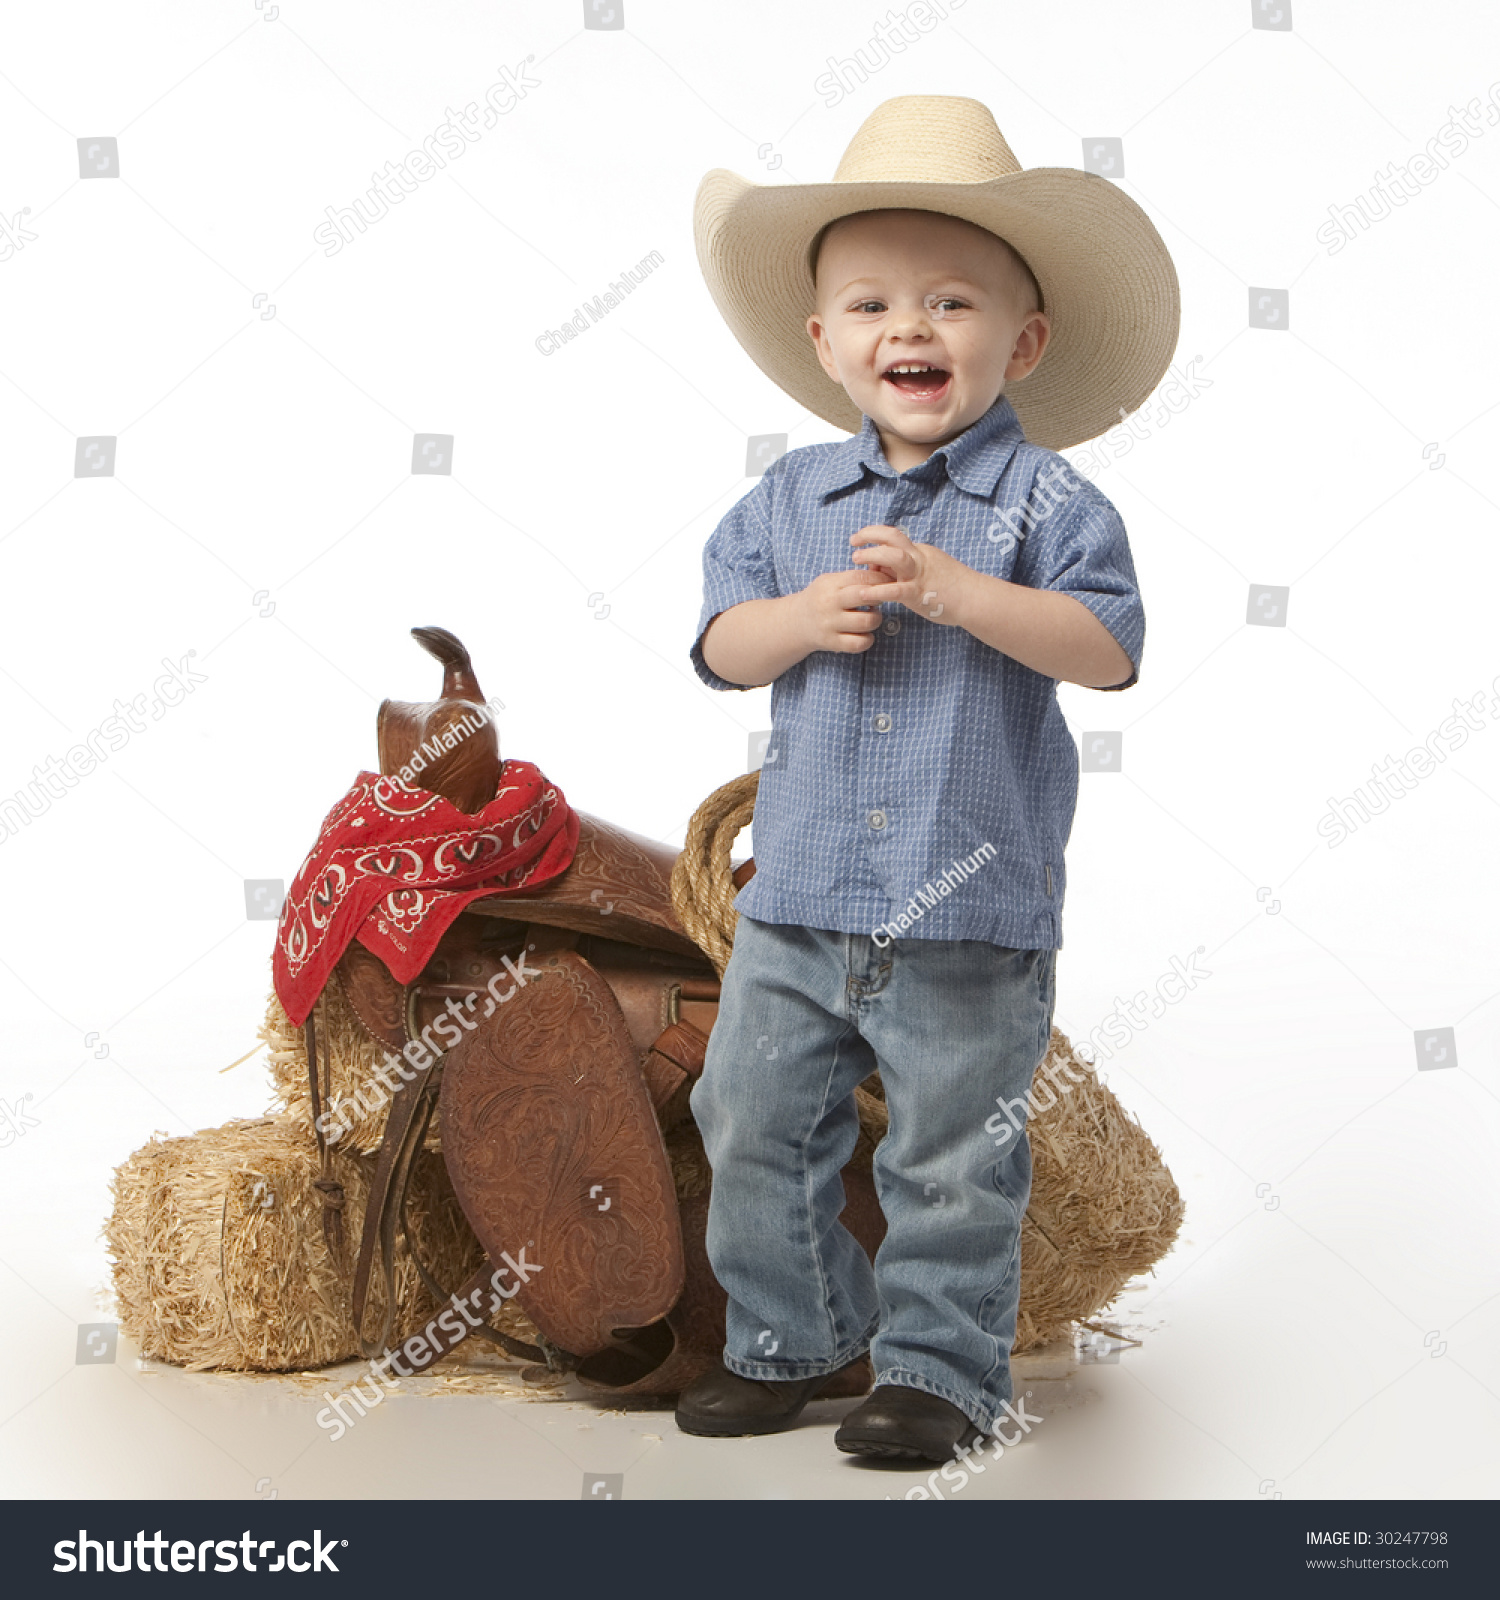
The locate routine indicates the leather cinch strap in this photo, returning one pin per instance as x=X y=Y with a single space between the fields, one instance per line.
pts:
x=398 y=1150
x=326 y=1184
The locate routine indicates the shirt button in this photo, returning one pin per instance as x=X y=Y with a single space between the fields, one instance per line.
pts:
x=891 y=625
x=877 y=819
x=882 y=722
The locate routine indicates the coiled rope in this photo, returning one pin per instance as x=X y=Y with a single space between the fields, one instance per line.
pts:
x=703 y=894
x=703 y=889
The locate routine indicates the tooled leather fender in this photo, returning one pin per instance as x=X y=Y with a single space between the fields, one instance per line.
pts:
x=553 y=1145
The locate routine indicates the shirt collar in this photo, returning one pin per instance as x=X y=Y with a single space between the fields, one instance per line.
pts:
x=974 y=460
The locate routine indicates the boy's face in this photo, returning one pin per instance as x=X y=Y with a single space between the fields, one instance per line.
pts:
x=915 y=288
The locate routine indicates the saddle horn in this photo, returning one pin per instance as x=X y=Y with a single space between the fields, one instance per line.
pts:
x=459 y=682
x=448 y=745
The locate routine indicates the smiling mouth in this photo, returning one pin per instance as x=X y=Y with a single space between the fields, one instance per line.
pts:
x=916 y=381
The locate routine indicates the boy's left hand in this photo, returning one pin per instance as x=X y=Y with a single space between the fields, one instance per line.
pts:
x=920 y=576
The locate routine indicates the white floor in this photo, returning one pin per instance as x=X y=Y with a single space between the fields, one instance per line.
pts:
x=1334 y=1335
x=1209 y=1406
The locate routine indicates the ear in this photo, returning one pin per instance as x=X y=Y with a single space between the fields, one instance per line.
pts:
x=1030 y=343
x=819 y=336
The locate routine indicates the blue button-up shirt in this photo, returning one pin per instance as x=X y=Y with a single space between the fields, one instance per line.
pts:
x=924 y=787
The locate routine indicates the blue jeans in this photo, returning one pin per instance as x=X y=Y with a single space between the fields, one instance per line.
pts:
x=955 y=1027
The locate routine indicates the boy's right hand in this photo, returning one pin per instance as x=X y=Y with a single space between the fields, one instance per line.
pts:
x=831 y=611
x=754 y=642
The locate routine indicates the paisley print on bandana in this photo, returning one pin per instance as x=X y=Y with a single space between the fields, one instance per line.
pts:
x=394 y=865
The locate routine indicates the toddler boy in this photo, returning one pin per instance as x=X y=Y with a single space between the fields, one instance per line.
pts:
x=914 y=594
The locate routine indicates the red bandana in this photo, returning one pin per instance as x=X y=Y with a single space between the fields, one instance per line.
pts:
x=394 y=865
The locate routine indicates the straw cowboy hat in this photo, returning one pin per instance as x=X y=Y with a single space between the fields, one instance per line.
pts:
x=1107 y=281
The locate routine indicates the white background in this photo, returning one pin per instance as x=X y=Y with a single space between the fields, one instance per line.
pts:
x=1328 y=1323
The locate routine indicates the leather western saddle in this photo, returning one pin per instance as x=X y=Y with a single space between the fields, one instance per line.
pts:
x=592 y=1018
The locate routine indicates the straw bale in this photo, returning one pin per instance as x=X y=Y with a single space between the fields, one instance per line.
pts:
x=209 y=1276
x=1104 y=1205
x=220 y=1261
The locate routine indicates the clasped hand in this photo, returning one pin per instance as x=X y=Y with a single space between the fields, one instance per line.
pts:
x=889 y=568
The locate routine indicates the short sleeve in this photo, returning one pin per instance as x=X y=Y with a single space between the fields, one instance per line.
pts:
x=737 y=566
x=1081 y=549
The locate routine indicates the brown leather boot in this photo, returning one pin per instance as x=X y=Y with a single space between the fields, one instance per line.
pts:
x=721 y=1402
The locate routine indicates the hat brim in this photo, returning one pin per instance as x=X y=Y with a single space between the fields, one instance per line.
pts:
x=1107 y=279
